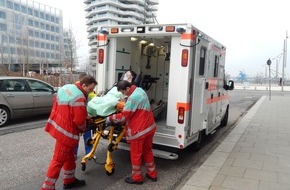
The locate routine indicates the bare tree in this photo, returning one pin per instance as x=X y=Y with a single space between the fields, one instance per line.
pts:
x=72 y=43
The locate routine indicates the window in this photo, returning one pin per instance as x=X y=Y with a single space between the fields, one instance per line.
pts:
x=47 y=46
x=5 y=49
x=30 y=22
x=47 y=36
x=216 y=66
x=47 y=17
x=2 y=3
x=36 y=24
x=37 y=86
x=31 y=43
x=9 y=4
x=37 y=53
x=4 y=39
x=30 y=11
x=36 y=13
x=13 y=50
x=3 y=27
x=31 y=33
x=2 y=14
x=37 y=44
x=42 y=35
x=16 y=7
x=42 y=26
x=36 y=34
x=41 y=15
x=18 y=41
x=15 y=85
x=23 y=9
x=202 y=61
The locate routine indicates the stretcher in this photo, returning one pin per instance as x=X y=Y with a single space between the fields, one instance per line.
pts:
x=114 y=134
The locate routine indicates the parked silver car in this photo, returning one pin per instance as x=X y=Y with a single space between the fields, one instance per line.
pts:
x=23 y=97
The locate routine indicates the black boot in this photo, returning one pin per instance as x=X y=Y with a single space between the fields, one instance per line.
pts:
x=76 y=183
x=151 y=178
x=131 y=181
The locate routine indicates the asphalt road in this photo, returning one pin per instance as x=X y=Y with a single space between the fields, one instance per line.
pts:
x=26 y=150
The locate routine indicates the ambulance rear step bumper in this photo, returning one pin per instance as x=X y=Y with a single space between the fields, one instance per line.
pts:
x=156 y=152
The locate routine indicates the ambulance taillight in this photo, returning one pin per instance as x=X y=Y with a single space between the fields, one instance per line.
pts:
x=101 y=56
x=181 y=111
x=184 y=58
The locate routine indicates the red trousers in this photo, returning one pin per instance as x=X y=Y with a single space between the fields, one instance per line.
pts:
x=63 y=157
x=142 y=150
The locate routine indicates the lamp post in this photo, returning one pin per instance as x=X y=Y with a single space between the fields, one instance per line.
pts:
x=269 y=64
x=284 y=60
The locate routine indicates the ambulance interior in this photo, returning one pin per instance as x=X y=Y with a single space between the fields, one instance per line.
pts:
x=149 y=58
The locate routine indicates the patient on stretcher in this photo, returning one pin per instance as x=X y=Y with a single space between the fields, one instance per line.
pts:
x=106 y=105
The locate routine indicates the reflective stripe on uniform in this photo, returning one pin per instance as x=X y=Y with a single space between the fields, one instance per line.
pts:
x=136 y=170
x=50 y=180
x=49 y=183
x=60 y=129
x=147 y=130
x=69 y=174
x=45 y=186
x=150 y=166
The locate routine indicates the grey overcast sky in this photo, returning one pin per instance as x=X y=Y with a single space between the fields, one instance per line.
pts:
x=252 y=30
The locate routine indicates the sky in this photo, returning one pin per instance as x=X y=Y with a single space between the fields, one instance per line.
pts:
x=252 y=30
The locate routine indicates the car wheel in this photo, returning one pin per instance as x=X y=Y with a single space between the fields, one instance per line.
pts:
x=224 y=121
x=4 y=116
x=198 y=144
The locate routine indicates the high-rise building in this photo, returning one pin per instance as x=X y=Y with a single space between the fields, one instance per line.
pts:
x=31 y=36
x=116 y=12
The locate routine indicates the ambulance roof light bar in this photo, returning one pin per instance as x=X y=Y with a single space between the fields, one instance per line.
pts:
x=180 y=30
x=104 y=31
x=141 y=29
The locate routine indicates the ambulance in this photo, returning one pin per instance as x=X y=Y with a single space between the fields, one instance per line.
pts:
x=182 y=71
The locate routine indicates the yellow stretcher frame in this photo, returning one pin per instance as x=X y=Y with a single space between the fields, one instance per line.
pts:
x=98 y=132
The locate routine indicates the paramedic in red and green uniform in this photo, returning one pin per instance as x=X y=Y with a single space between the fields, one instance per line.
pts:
x=88 y=134
x=138 y=118
x=66 y=121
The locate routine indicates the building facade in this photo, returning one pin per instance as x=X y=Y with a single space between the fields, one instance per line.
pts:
x=116 y=12
x=31 y=36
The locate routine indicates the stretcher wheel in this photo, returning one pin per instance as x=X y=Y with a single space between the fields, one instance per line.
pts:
x=83 y=166
x=110 y=173
x=111 y=147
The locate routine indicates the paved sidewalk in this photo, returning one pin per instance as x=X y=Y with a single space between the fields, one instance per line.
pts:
x=262 y=87
x=254 y=156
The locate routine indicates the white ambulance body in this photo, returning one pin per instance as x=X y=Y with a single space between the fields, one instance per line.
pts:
x=181 y=68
